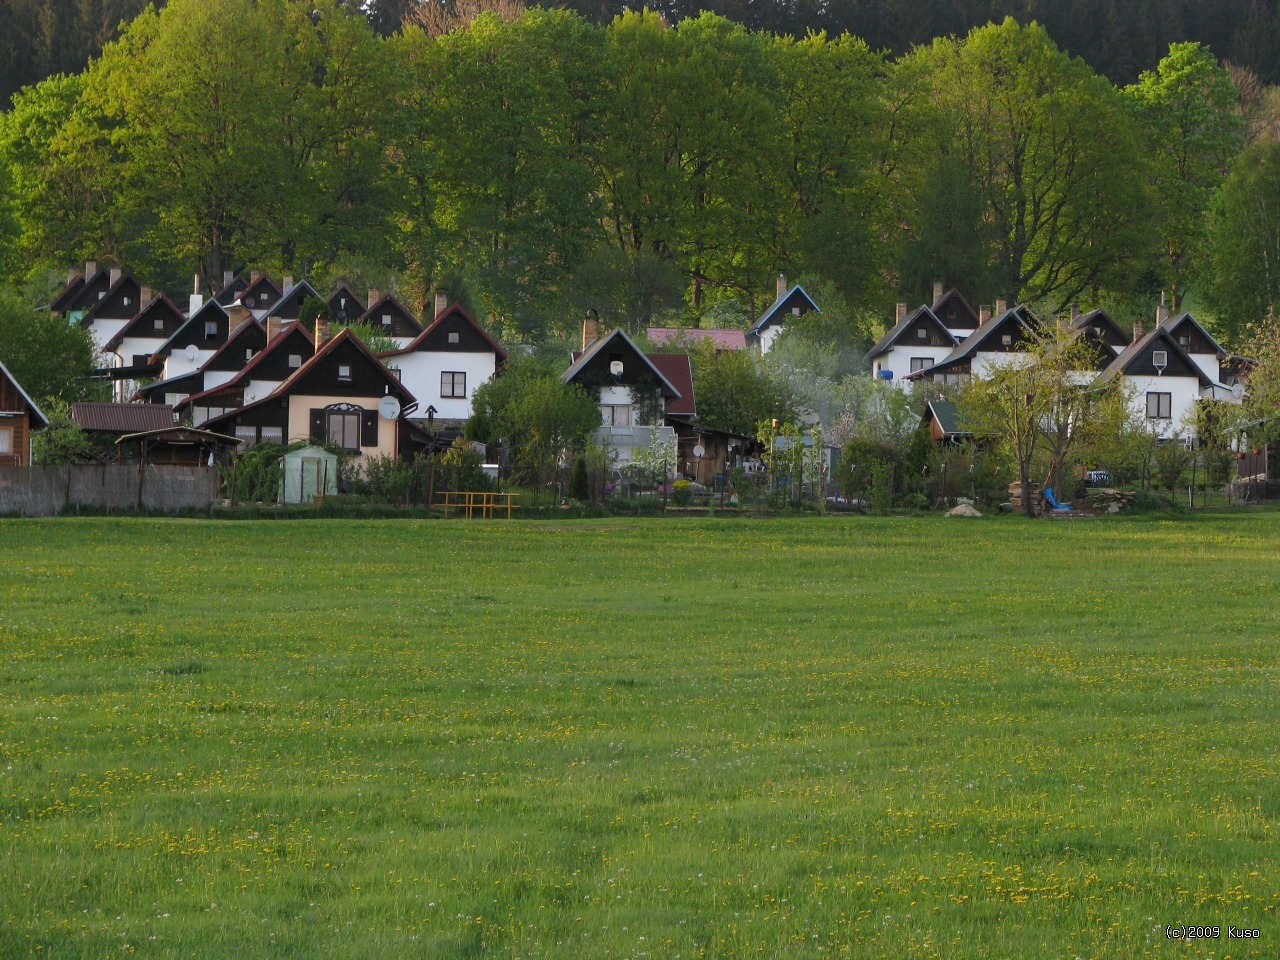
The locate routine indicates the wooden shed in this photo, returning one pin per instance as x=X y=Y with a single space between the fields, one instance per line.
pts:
x=20 y=418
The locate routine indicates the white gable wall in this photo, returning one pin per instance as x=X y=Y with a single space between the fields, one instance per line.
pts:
x=898 y=360
x=420 y=373
x=1183 y=391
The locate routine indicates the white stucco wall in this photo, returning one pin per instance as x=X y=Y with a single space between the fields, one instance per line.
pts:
x=1183 y=391
x=101 y=331
x=898 y=359
x=985 y=363
x=770 y=334
x=420 y=374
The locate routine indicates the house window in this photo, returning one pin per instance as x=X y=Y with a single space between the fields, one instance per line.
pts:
x=1184 y=340
x=159 y=323
x=453 y=336
x=1160 y=358
x=272 y=434
x=295 y=360
x=795 y=311
x=344 y=371
x=343 y=429
x=920 y=363
x=1159 y=406
x=210 y=329
x=6 y=440
x=921 y=333
x=1006 y=339
x=386 y=319
x=248 y=353
x=126 y=301
x=615 y=415
x=247 y=436
x=453 y=384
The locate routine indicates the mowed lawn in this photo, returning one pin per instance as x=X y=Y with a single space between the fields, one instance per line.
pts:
x=845 y=737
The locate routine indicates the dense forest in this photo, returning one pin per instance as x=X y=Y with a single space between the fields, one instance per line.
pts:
x=646 y=165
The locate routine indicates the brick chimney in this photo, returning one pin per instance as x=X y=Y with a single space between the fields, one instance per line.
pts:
x=288 y=282
x=782 y=284
x=590 y=328
x=90 y=268
x=937 y=290
x=237 y=316
x=145 y=297
x=1138 y=329
x=72 y=273
x=274 y=326
x=115 y=276
x=984 y=313
x=1001 y=306
x=442 y=301
x=255 y=276
x=323 y=332
x=374 y=295
x=900 y=312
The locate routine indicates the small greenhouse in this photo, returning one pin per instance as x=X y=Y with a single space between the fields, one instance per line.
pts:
x=307 y=474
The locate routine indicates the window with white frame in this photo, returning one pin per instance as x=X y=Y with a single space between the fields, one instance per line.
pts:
x=453 y=336
x=295 y=360
x=159 y=323
x=6 y=440
x=386 y=319
x=272 y=434
x=922 y=333
x=1006 y=339
x=210 y=329
x=343 y=429
x=453 y=384
x=615 y=414
x=1159 y=406
x=247 y=436
x=344 y=371
x=1159 y=358
x=920 y=363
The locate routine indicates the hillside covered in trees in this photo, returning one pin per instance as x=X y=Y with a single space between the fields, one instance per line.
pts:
x=648 y=167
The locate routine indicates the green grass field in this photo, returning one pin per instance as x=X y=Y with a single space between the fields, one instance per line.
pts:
x=845 y=737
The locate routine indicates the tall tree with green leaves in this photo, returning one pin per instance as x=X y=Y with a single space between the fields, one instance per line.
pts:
x=1050 y=150
x=48 y=356
x=1245 y=233
x=1191 y=131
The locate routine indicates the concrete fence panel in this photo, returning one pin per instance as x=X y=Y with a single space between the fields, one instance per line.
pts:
x=45 y=491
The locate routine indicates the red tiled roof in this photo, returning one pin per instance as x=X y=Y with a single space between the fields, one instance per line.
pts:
x=122 y=417
x=679 y=371
x=722 y=339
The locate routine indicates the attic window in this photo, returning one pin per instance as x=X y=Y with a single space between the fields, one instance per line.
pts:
x=1006 y=339
x=453 y=336
x=248 y=353
x=159 y=323
x=295 y=360
x=126 y=301
x=1184 y=340
x=101 y=294
x=210 y=329
x=921 y=333
x=795 y=311
x=344 y=371
x=1159 y=358
x=386 y=319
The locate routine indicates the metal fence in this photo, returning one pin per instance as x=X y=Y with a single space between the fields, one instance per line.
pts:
x=45 y=491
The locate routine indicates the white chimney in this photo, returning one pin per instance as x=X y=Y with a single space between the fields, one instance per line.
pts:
x=228 y=278
x=197 y=298
x=90 y=268
x=288 y=282
x=115 y=275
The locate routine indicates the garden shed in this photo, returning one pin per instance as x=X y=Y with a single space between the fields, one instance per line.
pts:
x=308 y=473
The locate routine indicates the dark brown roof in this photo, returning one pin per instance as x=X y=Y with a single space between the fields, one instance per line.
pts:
x=122 y=417
x=679 y=373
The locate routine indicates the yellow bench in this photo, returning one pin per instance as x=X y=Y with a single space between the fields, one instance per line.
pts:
x=473 y=502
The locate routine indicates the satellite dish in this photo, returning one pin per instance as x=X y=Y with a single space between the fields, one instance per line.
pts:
x=699 y=450
x=1237 y=391
x=192 y=352
x=388 y=408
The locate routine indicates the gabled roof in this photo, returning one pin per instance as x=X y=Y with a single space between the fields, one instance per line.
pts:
x=970 y=318
x=300 y=290
x=720 y=339
x=343 y=337
x=618 y=339
x=245 y=374
x=971 y=344
x=678 y=369
x=1098 y=318
x=234 y=339
x=161 y=385
x=125 y=280
x=1120 y=365
x=453 y=310
x=353 y=308
x=1186 y=318
x=231 y=292
x=128 y=330
x=63 y=300
x=44 y=421
x=947 y=416
x=256 y=289
x=773 y=313
x=386 y=303
x=78 y=290
x=122 y=417
x=898 y=329
x=209 y=306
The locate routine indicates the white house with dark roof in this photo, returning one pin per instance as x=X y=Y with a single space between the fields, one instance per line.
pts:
x=916 y=342
x=790 y=302
x=998 y=342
